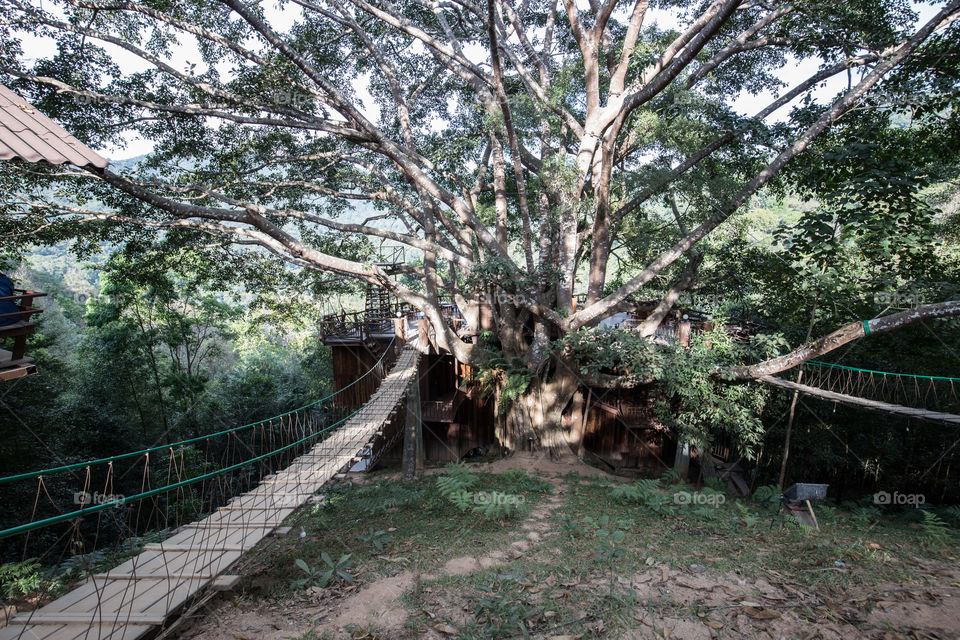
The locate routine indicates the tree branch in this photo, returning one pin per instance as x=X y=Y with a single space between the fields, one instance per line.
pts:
x=840 y=337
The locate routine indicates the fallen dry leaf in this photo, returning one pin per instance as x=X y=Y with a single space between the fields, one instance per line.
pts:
x=713 y=624
x=681 y=583
x=445 y=629
x=761 y=614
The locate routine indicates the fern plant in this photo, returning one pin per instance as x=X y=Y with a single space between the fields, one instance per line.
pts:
x=462 y=500
x=935 y=530
x=627 y=493
x=953 y=514
x=749 y=518
x=865 y=516
x=769 y=496
x=18 y=579
x=497 y=509
x=647 y=485
x=670 y=476
x=458 y=478
x=643 y=492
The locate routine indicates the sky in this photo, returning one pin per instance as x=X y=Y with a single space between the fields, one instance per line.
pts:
x=282 y=18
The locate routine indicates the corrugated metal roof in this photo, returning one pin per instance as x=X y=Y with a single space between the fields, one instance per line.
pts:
x=27 y=134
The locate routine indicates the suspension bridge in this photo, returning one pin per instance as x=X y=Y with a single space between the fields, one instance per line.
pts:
x=265 y=472
x=883 y=391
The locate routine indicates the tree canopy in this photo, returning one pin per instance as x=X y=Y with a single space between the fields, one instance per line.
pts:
x=521 y=148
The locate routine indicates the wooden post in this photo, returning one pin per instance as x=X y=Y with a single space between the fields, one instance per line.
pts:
x=19 y=346
x=683 y=333
x=578 y=420
x=707 y=327
x=796 y=394
x=786 y=440
x=421 y=457
x=813 y=516
x=423 y=334
x=413 y=432
x=400 y=330
x=681 y=461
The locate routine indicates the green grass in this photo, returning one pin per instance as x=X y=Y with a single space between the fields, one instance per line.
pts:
x=747 y=537
x=578 y=579
x=390 y=526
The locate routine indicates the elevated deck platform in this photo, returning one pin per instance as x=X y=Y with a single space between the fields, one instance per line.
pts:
x=11 y=369
x=15 y=364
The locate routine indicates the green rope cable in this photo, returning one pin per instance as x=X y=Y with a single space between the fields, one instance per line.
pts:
x=132 y=454
x=72 y=515
x=886 y=373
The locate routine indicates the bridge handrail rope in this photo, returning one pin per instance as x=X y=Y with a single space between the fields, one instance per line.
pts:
x=171 y=445
x=885 y=373
x=63 y=517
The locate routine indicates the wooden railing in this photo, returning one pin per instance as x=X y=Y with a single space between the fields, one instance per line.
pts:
x=359 y=324
x=21 y=327
x=362 y=324
x=24 y=300
x=443 y=409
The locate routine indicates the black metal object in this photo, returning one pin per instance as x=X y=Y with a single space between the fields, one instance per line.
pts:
x=805 y=491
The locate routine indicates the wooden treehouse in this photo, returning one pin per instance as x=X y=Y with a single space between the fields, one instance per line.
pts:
x=620 y=430
x=16 y=327
x=456 y=419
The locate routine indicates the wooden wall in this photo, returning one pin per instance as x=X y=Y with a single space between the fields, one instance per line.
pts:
x=350 y=361
x=449 y=441
x=622 y=431
x=472 y=425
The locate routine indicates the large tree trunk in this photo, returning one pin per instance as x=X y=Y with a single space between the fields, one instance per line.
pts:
x=534 y=420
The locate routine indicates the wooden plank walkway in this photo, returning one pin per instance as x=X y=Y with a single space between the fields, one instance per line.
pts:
x=138 y=596
x=865 y=403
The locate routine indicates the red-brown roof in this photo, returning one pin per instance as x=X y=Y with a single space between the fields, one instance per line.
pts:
x=27 y=134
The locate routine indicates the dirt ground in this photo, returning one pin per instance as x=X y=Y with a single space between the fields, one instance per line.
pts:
x=690 y=603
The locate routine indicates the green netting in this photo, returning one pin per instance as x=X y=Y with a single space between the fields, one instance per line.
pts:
x=63 y=517
x=171 y=445
x=883 y=373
